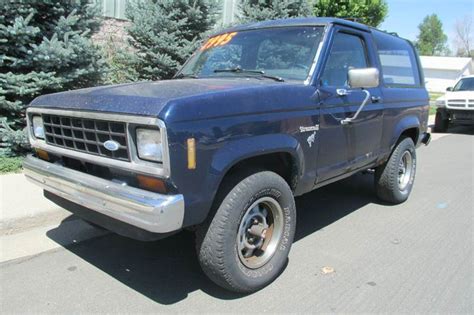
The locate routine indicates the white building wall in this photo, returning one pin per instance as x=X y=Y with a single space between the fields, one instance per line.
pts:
x=229 y=11
x=443 y=72
x=439 y=80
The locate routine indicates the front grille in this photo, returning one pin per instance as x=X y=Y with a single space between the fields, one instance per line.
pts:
x=456 y=103
x=463 y=115
x=86 y=135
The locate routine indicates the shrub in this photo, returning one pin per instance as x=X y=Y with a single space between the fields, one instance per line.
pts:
x=45 y=47
x=164 y=33
x=10 y=164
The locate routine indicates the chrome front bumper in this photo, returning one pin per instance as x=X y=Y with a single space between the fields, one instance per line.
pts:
x=149 y=211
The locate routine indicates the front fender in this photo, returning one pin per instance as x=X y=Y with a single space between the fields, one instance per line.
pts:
x=238 y=150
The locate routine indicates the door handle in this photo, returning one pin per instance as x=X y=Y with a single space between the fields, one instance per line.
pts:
x=376 y=99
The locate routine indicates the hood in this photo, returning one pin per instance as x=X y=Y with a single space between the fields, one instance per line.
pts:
x=459 y=95
x=144 y=98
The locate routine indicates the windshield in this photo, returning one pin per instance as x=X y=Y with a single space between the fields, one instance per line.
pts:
x=285 y=53
x=466 y=84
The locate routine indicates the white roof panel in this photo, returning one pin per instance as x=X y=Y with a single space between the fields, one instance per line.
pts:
x=444 y=63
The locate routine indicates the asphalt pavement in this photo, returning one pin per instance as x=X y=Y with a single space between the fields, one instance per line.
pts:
x=352 y=254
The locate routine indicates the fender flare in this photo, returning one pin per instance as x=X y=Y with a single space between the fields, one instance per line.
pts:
x=407 y=122
x=238 y=150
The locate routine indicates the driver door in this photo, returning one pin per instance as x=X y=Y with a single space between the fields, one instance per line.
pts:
x=347 y=147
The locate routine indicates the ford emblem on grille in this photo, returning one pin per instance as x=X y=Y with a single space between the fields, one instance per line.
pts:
x=111 y=145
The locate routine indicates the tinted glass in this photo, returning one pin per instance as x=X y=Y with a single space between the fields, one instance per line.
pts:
x=399 y=66
x=285 y=52
x=466 y=84
x=347 y=52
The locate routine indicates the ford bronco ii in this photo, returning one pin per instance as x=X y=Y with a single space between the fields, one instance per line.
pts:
x=259 y=114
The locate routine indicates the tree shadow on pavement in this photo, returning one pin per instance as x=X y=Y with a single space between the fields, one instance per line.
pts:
x=167 y=270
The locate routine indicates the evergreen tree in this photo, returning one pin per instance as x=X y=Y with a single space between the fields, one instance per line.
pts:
x=45 y=47
x=164 y=33
x=370 y=12
x=431 y=40
x=261 y=10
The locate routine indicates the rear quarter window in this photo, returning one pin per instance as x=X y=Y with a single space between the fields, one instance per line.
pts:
x=398 y=61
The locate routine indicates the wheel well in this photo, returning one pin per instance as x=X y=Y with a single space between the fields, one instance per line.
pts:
x=281 y=163
x=411 y=133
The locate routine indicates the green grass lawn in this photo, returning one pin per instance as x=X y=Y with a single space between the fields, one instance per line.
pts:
x=10 y=164
x=433 y=97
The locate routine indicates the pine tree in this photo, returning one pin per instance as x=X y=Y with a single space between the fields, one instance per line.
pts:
x=370 y=12
x=45 y=47
x=261 y=10
x=164 y=33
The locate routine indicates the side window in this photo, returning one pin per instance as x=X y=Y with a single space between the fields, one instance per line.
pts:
x=398 y=60
x=347 y=52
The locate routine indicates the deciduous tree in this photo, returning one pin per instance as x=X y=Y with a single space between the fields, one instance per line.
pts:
x=464 y=37
x=370 y=12
x=431 y=40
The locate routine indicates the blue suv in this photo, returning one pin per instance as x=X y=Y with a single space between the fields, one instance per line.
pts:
x=259 y=114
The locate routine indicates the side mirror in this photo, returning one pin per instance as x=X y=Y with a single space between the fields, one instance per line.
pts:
x=449 y=89
x=363 y=78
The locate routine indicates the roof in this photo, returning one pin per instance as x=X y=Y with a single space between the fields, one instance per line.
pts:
x=309 y=21
x=445 y=63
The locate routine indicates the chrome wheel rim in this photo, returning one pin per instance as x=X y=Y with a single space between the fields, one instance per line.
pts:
x=405 y=170
x=260 y=231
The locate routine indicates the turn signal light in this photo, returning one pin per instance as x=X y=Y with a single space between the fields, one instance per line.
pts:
x=42 y=154
x=191 y=144
x=151 y=183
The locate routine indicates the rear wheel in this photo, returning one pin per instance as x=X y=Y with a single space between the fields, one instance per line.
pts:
x=246 y=244
x=394 y=179
x=441 y=122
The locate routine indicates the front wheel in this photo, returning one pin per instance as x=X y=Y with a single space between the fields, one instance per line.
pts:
x=246 y=244
x=394 y=179
x=441 y=122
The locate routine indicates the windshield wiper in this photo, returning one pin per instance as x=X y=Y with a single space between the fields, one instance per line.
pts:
x=183 y=76
x=240 y=70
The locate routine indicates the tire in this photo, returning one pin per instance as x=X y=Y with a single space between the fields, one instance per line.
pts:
x=221 y=242
x=441 y=123
x=392 y=183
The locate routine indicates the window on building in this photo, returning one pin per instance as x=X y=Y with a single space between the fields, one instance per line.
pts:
x=113 y=8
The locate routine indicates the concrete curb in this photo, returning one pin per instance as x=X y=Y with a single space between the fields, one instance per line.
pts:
x=45 y=238
x=30 y=224
x=23 y=206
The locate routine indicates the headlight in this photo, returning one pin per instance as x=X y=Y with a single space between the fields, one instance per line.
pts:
x=149 y=145
x=38 y=128
x=440 y=103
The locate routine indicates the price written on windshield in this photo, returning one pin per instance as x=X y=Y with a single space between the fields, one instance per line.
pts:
x=219 y=40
